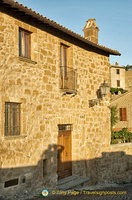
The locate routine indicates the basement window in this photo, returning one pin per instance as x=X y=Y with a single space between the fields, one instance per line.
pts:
x=11 y=183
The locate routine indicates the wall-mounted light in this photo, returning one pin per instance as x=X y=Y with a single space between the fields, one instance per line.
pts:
x=102 y=91
x=104 y=88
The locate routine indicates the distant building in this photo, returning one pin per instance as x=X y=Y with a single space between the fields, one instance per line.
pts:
x=124 y=106
x=128 y=79
x=120 y=78
x=117 y=76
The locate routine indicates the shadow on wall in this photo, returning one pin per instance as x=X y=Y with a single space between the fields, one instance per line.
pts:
x=113 y=167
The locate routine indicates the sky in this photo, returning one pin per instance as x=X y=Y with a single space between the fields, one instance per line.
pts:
x=113 y=17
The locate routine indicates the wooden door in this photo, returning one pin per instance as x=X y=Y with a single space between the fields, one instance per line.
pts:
x=64 y=154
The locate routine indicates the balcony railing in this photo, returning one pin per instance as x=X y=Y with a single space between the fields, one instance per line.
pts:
x=68 y=79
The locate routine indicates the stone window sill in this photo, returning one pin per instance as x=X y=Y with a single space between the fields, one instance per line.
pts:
x=27 y=60
x=15 y=137
x=68 y=91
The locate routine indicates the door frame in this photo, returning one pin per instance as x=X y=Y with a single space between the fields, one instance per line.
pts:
x=65 y=128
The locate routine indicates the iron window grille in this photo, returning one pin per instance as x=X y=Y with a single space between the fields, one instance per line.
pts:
x=68 y=78
x=65 y=127
x=12 y=118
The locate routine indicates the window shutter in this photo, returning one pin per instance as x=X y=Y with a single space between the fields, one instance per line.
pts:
x=28 y=46
x=123 y=114
x=120 y=114
x=118 y=83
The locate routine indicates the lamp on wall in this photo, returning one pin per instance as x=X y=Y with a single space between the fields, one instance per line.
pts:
x=104 y=88
x=102 y=91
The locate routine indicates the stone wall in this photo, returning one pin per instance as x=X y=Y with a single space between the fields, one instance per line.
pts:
x=115 y=166
x=128 y=79
x=32 y=157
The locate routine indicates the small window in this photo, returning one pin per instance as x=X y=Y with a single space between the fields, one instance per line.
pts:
x=118 y=83
x=11 y=183
x=12 y=119
x=123 y=114
x=24 y=43
x=117 y=71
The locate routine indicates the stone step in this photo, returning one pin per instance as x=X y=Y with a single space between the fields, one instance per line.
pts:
x=67 y=179
x=73 y=183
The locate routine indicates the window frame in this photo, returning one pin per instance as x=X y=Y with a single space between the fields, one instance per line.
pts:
x=24 y=43
x=63 y=59
x=12 y=115
x=123 y=114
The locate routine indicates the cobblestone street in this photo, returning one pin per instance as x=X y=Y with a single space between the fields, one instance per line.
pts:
x=121 y=192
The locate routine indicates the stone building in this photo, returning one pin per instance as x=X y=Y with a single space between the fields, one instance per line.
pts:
x=48 y=77
x=124 y=106
x=118 y=76
x=128 y=79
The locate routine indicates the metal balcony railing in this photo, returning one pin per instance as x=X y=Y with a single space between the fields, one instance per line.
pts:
x=68 y=79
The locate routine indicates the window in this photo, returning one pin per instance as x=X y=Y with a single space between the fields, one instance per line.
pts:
x=11 y=183
x=123 y=115
x=117 y=71
x=63 y=60
x=67 y=74
x=24 y=43
x=12 y=119
x=118 y=83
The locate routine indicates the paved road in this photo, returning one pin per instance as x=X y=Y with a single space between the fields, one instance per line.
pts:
x=122 y=192
x=109 y=192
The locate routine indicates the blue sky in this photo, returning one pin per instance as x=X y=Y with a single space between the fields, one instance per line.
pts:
x=113 y=17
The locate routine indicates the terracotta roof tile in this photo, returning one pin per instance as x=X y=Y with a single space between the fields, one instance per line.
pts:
x=29 y=11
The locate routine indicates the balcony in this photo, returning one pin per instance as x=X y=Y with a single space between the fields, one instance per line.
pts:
x=68 y=80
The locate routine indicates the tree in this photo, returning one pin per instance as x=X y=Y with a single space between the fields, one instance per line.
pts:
x=125 y=135
x=114 y=117
x=128 y=67
x=122 y=136
x=116 y=90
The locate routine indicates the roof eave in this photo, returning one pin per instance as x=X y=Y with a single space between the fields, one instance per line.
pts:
x=12 y=4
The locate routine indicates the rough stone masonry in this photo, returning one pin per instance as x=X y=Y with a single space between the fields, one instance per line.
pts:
x=29 y=160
